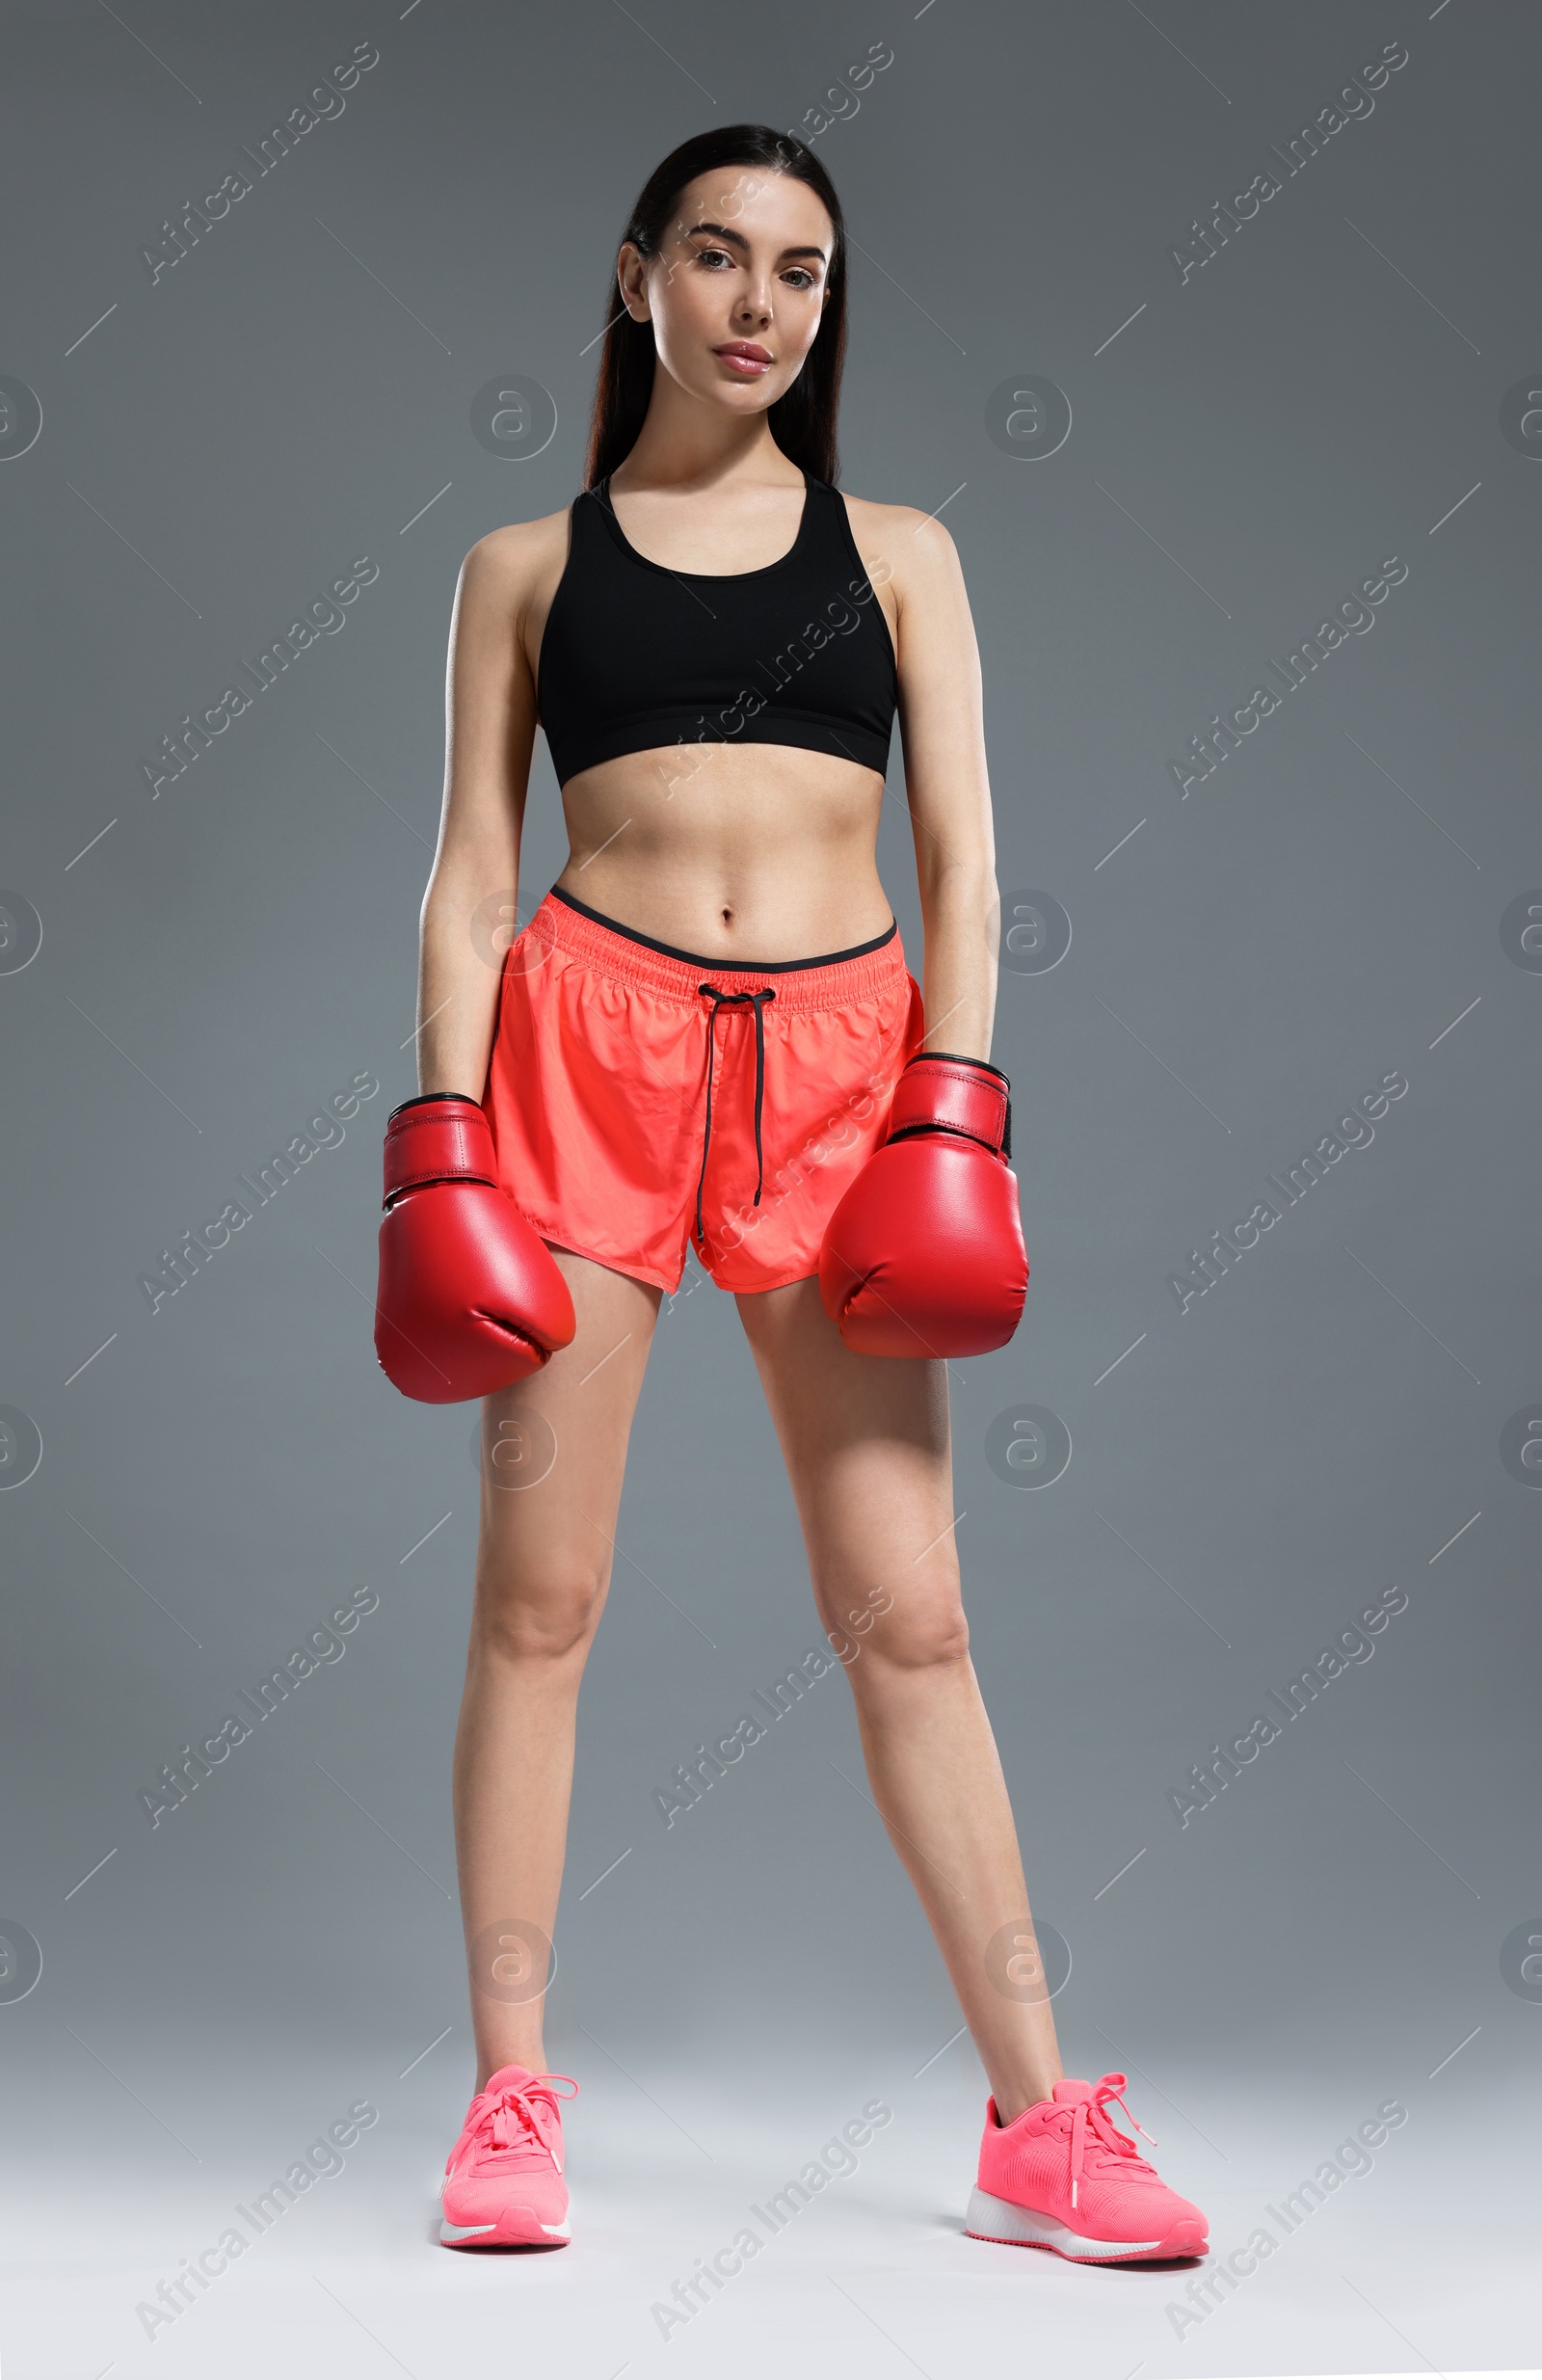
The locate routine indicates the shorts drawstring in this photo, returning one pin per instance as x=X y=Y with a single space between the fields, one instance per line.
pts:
x=718 y=998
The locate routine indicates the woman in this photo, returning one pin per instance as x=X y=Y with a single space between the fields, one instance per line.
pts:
x=715 y=641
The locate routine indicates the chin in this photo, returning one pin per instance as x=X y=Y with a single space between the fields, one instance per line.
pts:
x=742 y=396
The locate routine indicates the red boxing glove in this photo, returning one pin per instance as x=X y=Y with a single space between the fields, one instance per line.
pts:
x=470 y=1299
x=925 y=1254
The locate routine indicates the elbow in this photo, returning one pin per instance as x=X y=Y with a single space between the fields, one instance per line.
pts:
x=964 y=880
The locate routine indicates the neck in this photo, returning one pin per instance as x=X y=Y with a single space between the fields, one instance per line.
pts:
x=681 y=449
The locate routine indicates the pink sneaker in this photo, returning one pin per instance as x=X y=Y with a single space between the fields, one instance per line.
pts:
x=503 y=2185
x=1062 y=2176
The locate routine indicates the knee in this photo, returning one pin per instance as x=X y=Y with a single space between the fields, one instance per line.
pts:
x=919 y=1631
x=546 y=1618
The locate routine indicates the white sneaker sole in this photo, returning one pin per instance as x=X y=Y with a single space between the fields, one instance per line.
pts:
x=493 y=2235
x=1011 y=2225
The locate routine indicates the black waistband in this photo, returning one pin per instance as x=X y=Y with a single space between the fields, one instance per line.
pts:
x=729 y=966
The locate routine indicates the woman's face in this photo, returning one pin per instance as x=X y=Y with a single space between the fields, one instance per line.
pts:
x=737 y=290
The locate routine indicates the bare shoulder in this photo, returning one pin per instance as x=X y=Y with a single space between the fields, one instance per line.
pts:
x=903 y=547
x=510 y=564
x=507 y=582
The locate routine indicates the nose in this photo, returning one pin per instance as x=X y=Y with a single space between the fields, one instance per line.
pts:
x=755 y=299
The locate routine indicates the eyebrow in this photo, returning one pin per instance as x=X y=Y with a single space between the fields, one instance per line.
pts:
x=721 y=232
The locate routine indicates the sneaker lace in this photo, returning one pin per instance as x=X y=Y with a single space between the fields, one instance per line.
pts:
x=508 y=2119
x=1088 y=2117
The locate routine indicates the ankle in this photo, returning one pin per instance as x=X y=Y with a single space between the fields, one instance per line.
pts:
x=488 y=2066
x=1025 y=2091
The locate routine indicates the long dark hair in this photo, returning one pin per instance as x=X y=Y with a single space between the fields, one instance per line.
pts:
x=802 y=421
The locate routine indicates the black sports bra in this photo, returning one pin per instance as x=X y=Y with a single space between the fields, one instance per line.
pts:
x=635 y=657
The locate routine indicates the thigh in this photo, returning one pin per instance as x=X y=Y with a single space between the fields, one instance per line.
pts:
x=554 y=1447
x=866 y=1446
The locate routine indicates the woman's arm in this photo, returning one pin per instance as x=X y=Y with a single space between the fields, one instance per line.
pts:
x=941 y=724
x=490 y=706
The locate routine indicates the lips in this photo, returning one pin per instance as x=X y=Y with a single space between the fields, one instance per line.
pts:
x=744 y=359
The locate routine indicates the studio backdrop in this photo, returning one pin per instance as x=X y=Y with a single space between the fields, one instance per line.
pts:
x=1210 y=335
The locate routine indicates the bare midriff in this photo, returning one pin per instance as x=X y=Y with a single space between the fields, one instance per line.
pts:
x=738 y=852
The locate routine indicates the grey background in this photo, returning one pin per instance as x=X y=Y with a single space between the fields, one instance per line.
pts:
x=1327 y=1422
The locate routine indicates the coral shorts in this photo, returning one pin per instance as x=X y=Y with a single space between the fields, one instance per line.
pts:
x=644 y=1099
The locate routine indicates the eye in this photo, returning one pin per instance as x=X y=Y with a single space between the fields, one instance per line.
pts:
x=799 y=278
x=702 y=254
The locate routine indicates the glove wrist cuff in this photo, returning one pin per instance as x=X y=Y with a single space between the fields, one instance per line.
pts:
x=440 y=1136
x=938 y=1092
